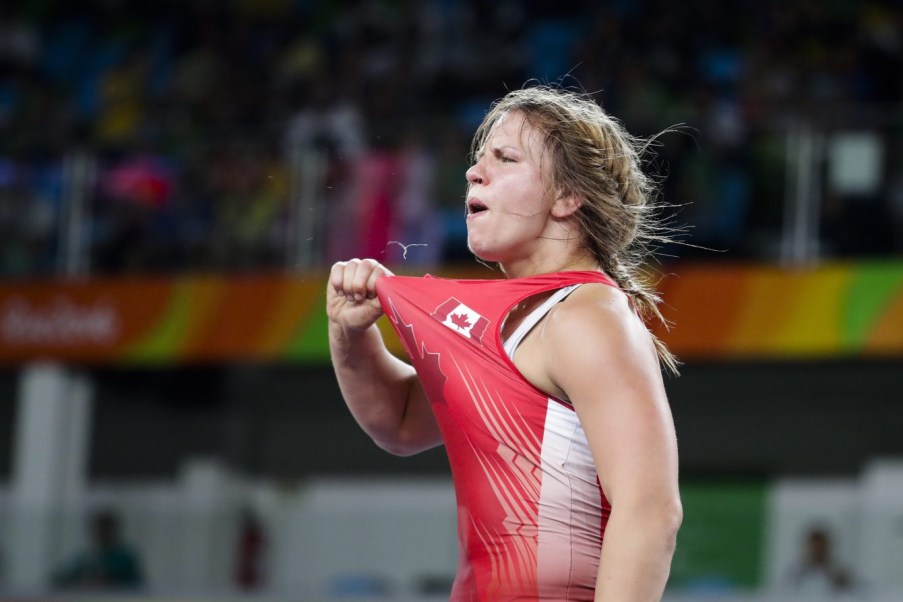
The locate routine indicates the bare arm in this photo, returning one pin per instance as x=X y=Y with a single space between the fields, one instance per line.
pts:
x=602 y=358
x=383 y=393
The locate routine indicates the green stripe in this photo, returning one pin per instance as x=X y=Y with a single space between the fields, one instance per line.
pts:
x=719 y=546
x=162 y=343
x=311 y=340
x=873 y=287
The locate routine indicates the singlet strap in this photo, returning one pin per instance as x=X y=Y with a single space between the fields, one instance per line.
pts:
x=511 y=343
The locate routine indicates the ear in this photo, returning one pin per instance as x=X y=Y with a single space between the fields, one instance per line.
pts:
x=566 y=206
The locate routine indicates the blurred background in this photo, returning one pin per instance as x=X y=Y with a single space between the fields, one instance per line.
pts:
x=176 y=178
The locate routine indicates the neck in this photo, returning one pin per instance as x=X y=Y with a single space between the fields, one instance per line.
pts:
x=534 y=266
x=558 y=248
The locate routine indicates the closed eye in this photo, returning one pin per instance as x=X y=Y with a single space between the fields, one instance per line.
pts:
x=502 y=157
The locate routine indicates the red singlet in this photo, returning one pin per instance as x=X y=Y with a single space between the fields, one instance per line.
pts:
x=531 y=512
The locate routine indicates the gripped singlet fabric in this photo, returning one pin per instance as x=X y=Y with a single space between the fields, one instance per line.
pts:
x=531 y=512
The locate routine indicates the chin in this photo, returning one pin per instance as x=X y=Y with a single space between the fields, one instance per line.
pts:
x=480 y=253
x=492 y=251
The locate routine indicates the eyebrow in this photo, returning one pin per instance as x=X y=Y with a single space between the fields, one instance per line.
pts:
x=495 y=148
x=506 y=147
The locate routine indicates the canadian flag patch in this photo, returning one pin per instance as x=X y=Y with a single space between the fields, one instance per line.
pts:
x=460 y=318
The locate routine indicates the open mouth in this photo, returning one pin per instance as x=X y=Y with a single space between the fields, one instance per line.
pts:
x=475 y=206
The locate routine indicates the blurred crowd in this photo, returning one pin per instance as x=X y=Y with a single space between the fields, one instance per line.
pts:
x=206 y=135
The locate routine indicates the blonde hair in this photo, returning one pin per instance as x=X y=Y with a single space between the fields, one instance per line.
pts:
x=595 y=159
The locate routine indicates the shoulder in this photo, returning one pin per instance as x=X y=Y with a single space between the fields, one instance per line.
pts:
x=595 y=308
x=596 y=329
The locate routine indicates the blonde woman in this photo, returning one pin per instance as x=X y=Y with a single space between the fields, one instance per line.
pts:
x=545 y=387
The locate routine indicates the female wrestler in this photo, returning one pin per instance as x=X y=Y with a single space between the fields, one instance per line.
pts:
x=544 y=386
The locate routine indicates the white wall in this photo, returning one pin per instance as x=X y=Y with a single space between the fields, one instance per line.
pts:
x=324 y=536
x=881 y=550
x=336 y=532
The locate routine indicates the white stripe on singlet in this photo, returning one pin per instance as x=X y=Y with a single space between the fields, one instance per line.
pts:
x=512 y=342
x=569 y=514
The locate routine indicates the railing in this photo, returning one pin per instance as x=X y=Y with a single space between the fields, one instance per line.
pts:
x=794 y=191
x=843 y=173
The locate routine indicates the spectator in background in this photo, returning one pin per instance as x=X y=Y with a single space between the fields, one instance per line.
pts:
x=344 y=78
x=331 y=130
x=249 y=553
x=452 y=162
x=109 y=564
x=417 y=227
x=818 y=572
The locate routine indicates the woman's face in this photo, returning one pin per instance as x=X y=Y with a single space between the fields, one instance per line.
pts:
x=509 y=192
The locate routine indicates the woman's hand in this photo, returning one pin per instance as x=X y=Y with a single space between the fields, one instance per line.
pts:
x=351 y=301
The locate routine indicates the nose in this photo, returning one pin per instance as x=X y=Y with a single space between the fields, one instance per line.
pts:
x=475 y=174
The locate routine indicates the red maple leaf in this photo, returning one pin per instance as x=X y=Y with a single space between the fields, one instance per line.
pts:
x=460 y=320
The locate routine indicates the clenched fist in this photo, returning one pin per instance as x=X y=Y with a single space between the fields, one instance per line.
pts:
x=351 y=293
